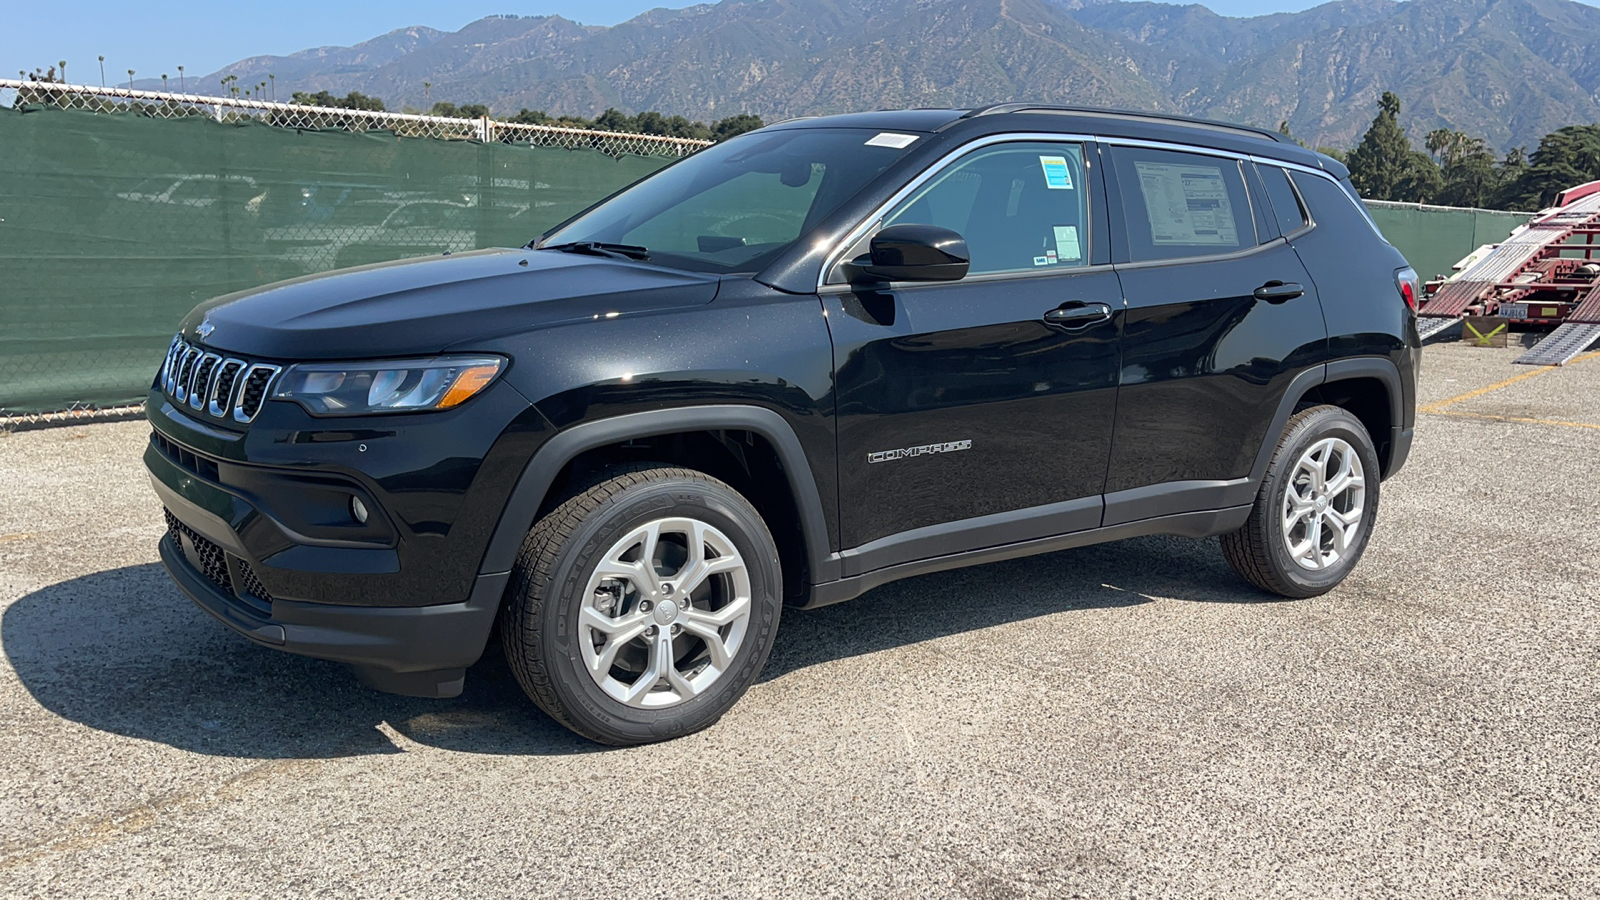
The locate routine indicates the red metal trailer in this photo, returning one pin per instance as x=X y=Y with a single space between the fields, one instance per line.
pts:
x=1546 y=273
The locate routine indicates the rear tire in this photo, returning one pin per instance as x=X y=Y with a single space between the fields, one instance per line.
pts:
x=623 y=652
x=1315 y=509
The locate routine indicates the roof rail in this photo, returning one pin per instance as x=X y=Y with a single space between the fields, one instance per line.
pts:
x=1055 y=109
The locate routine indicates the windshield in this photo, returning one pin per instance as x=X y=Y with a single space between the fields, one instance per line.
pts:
x=735 y=206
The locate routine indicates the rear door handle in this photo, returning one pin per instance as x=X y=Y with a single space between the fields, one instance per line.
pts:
x=1075 y=314
x=1278 y=291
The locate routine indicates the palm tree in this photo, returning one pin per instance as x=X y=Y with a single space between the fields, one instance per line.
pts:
x=130 y=79
x=272 y=80
x=163 y=82
x=181 y=86
x=102 y=71
x=63 y=65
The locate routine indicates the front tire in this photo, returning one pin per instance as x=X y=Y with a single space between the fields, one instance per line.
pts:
x=1315 y=509
x=643 y=607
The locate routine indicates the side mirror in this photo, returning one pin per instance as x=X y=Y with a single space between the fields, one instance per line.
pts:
x=914 y=253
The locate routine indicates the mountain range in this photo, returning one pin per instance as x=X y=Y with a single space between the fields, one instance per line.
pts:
x=1506 y=70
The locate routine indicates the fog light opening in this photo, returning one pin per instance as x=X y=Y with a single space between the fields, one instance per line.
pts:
x=358 y=510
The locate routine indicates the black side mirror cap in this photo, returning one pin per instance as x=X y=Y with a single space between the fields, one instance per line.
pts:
x=914 y=253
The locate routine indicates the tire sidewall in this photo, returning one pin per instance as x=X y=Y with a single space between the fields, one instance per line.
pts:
x=1327 y=422
x=713 y=504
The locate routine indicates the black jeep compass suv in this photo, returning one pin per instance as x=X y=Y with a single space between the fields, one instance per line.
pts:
x=791 y=367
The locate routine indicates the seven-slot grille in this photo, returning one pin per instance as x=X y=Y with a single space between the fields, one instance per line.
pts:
x=220 y=386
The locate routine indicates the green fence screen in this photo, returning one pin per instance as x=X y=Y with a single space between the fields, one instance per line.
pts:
x=113 y=226
x=1434 y=238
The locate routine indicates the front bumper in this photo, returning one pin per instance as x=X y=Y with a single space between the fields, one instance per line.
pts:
x=421 y=651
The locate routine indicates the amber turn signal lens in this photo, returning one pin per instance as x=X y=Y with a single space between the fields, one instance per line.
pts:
x=470 y=381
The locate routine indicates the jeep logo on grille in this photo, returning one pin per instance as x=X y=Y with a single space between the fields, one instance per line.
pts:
x=205 y=329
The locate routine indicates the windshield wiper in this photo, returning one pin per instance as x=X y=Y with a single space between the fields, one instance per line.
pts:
x=601 y=248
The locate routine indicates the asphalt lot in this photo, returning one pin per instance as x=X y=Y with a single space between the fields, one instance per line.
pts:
x=1124 y=720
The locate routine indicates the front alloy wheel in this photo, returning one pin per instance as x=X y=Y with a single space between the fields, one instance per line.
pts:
x=643 y=606
x=665 y=613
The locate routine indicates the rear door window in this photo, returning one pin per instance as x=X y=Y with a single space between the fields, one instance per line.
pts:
x=1180 y=205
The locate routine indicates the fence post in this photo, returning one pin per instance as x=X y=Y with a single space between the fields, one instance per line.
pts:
x=485 y=129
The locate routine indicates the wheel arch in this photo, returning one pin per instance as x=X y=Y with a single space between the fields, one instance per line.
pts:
x=1369 y=387
x=542 y=478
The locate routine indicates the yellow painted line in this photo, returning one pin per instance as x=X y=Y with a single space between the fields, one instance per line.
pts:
x=1519 y=420
x=8 y=538
x=1435 y=407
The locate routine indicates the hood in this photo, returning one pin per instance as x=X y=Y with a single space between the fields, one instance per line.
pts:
x=423 y=306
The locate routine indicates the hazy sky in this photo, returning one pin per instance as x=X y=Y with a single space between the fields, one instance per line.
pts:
x=155 y=38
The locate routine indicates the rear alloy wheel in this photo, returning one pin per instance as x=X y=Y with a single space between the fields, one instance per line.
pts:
x=1314 y=512
x=644 y=606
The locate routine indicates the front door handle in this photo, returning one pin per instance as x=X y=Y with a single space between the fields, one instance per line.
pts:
x=1075 y=314
x=1278 y=291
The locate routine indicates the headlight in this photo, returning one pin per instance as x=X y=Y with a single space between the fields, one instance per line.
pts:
x=393 y=385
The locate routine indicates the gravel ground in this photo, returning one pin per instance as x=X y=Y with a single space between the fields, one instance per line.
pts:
x=1124 y=720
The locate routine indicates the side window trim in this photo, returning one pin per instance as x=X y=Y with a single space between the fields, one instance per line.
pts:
x=827 y=278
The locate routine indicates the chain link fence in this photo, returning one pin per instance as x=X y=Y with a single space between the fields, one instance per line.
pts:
x=121 y=210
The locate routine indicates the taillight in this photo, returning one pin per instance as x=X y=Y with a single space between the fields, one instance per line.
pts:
x=1410 y=286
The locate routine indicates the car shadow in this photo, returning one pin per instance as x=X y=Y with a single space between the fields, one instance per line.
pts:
x=122 y=651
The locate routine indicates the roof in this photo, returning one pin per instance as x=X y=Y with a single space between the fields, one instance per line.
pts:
x=960 y=124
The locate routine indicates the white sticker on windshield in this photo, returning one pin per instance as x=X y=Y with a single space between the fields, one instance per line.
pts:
x=1067 y=242
x=891 y=139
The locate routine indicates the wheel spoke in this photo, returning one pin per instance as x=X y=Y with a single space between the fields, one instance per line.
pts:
x=618 y=632
x=735 y=608
x=1344 y=477
x=1341 y=534
x=599 y=621
x=660 y=661
x=682 y=685
x=691 y=578
x=715 y=645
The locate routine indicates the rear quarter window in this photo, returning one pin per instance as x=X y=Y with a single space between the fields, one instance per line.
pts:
x=1285 y=201
x=1329 y=205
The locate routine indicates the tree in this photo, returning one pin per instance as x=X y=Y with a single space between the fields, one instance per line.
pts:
x=352 y=100
x=1470 y=176
x=1566 y=157
x=733 y=126
x=1384 y=157
x=452 y=111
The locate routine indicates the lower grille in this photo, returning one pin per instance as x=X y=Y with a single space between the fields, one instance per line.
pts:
x=213 y=561
x=213 y=564
x=250 y=585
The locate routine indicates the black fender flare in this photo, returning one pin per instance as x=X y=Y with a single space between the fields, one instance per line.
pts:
x=1379 y=367
x=548 y=461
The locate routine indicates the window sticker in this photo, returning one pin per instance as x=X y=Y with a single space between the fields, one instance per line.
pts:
x=1057 y=177
x=891 y=139
x=1067 y=243
x=1187 y=204
x=1041 y=260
